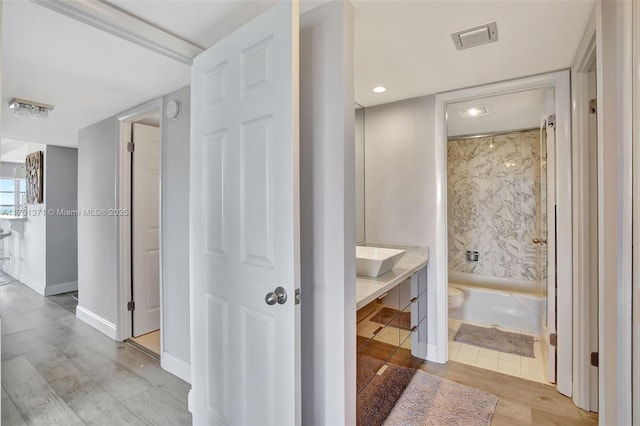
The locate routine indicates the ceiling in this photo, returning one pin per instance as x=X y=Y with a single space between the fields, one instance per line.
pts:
x=406 y=46
x=512 y=111
x=12 y=151
x=87 y=74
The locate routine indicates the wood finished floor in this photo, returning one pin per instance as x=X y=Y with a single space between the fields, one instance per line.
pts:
x=58 y=370
x=520 y=401
x=149 y=341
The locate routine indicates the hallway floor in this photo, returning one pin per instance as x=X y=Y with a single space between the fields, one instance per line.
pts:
x=58 y=370
x=534 y=369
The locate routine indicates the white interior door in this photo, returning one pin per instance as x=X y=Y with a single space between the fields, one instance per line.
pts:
x=551 y=251
x=145 y=178
x=244 y=227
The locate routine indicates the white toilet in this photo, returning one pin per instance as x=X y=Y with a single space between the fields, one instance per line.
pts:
x=456 y=297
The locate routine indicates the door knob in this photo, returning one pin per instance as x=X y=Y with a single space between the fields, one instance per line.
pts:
x=279 y=295
x=536 y=241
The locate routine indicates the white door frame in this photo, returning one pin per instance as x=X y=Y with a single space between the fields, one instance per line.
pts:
x=614 y=22
x=636 y=212
x=560 y=81
x=585 y=383
x=123 y=222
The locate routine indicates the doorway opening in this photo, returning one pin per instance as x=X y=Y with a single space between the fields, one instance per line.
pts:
x=145 y=233
x=139 y=221
x=560 y=84
x=501 y=233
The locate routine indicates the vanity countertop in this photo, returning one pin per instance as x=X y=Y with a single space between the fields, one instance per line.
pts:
x=368 y=289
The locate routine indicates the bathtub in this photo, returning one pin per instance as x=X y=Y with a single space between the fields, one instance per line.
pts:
x=519 y=308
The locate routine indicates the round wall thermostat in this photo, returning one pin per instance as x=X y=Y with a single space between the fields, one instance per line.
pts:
x=173 y=110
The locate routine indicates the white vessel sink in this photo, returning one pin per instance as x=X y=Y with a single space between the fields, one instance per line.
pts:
x=375 y=261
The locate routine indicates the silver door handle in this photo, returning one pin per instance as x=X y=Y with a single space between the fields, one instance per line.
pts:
x=279 y=295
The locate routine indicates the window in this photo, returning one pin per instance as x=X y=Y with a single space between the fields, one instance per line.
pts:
x=13 y=193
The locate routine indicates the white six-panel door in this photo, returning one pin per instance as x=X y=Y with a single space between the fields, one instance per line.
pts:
x=146 y=227
x=244 y=225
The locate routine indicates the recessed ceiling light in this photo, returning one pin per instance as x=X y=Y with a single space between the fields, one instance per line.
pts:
x=473 y=112
x=379 y=89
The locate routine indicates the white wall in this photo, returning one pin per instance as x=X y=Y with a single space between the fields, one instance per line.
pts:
x=42 y=248
x=175 y=235
x=327 y=215
x=26 y=248
x=97 y=278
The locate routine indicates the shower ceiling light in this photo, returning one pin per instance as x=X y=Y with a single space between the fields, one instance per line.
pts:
x=379 y=89
x=30 y=109
x=473 y=112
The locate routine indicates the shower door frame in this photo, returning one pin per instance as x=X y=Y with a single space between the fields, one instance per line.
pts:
x=560 y=82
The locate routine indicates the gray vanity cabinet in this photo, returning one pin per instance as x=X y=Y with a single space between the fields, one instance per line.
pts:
x=392 y=328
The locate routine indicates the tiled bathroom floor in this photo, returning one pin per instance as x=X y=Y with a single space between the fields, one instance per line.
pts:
x=534 y=369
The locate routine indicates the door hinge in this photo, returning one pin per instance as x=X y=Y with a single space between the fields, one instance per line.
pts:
x=130 y=146
x=593 y=106
x=131 y=305
x=551 y=121
x=594 y=359
x=298 y=296
x=553 y=339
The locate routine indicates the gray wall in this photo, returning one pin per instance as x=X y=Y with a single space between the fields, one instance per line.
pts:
x=97 y=278
x=175 y=228
x=400 y=178
x=360 y=138
x=97 y=238
x=400 y=165
x=327 y=222
x=61 y=174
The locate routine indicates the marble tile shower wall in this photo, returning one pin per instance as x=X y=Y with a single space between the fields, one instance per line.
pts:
x=494 y=205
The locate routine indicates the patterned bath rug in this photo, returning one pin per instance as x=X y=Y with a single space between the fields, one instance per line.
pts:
x=497 y=340
x=377 y=394
x=429 y=400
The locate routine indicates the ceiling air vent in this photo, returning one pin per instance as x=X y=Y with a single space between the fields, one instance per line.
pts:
x=475 y=36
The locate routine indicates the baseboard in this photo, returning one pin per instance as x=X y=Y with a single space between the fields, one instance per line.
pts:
x=176 y=366
x=50 y=290
x=419 y=349
x=96 y=321
x=433 y=354
x=35 y=286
